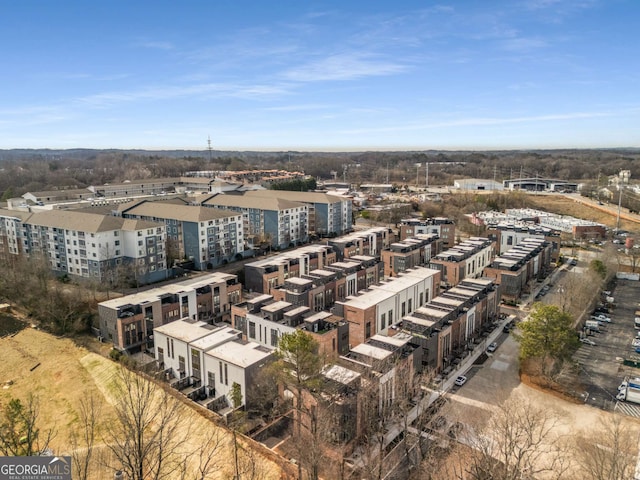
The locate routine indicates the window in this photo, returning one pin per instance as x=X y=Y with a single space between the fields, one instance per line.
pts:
x=181 y=364
x=252 y=330
x=226 y=375
x=367 y=330
x=390 y=315
x=117 y=242
x=404 y=306
x=383 y=321
x=274 y=337
x=410 y=302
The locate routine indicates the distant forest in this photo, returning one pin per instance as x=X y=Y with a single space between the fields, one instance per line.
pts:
x=37 y=170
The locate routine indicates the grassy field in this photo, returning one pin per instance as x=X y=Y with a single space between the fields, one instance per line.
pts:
x=61 y=373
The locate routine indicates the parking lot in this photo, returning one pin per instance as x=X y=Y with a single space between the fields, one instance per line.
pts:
x=600 y=367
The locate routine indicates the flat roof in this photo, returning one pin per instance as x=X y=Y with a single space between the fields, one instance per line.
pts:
x=185 y=331
x=398 y=340
x=371 y=351
x=298 y=281
x=340 y=374
x=178 y=287
x=275 y=306
x=215 y=338
x=297 y=311
x=240 y=354
x=318 y=316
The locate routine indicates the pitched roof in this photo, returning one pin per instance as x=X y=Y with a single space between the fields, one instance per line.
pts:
x=86 y=222
x=305 y=197
x=188 y=213
x=245 y=201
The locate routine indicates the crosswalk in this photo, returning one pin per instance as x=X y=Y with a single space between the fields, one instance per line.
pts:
x=629 y=409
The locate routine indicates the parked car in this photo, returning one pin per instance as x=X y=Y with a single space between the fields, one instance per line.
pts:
x=601 y=318
x=492 y=348
x=635 y=342
x=588 y=341
x=461 y=380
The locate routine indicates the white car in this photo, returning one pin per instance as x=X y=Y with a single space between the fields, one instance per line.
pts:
x=601 y=318
x=461 y=380
x=635 y=342
x=588 y=341
x=492 y=348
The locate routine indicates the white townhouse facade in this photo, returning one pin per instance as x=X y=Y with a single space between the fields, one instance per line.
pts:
x=211 y=358
x=235 y=362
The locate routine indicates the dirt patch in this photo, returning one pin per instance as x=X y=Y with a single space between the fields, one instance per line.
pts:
x=545 y=387
x=64 y=374
x=10 y=325
x=568 y=206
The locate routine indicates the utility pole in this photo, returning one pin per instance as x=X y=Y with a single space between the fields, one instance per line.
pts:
x=427 y=176
x=619 y=206
x=209 y=143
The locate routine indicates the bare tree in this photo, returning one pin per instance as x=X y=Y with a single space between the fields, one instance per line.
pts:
x=83 y=442
x=517 y=442
x=608 y=452
x=208 y=456
x=147 y=437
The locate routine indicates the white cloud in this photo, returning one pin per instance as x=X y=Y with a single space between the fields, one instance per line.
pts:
x=346 y=66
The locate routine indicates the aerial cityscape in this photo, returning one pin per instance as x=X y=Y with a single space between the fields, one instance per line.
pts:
x=320 y=241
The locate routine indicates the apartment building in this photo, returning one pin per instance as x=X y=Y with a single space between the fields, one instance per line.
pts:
x=466 y=260
x=409 y=253
x=264 y=320
x=514 y=269
x=381 y=307
x=207 y=236
x=328 y=215
x=266 y=220
x=128 y=321
x=12 y=233
x=443 y=227
x=263 y=275
x=452 y=322
x=88 y=245
x=369 y=242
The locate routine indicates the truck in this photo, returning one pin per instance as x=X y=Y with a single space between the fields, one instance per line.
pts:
x=629 y=391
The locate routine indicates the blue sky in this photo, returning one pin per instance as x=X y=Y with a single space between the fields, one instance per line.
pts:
x=320 y=75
